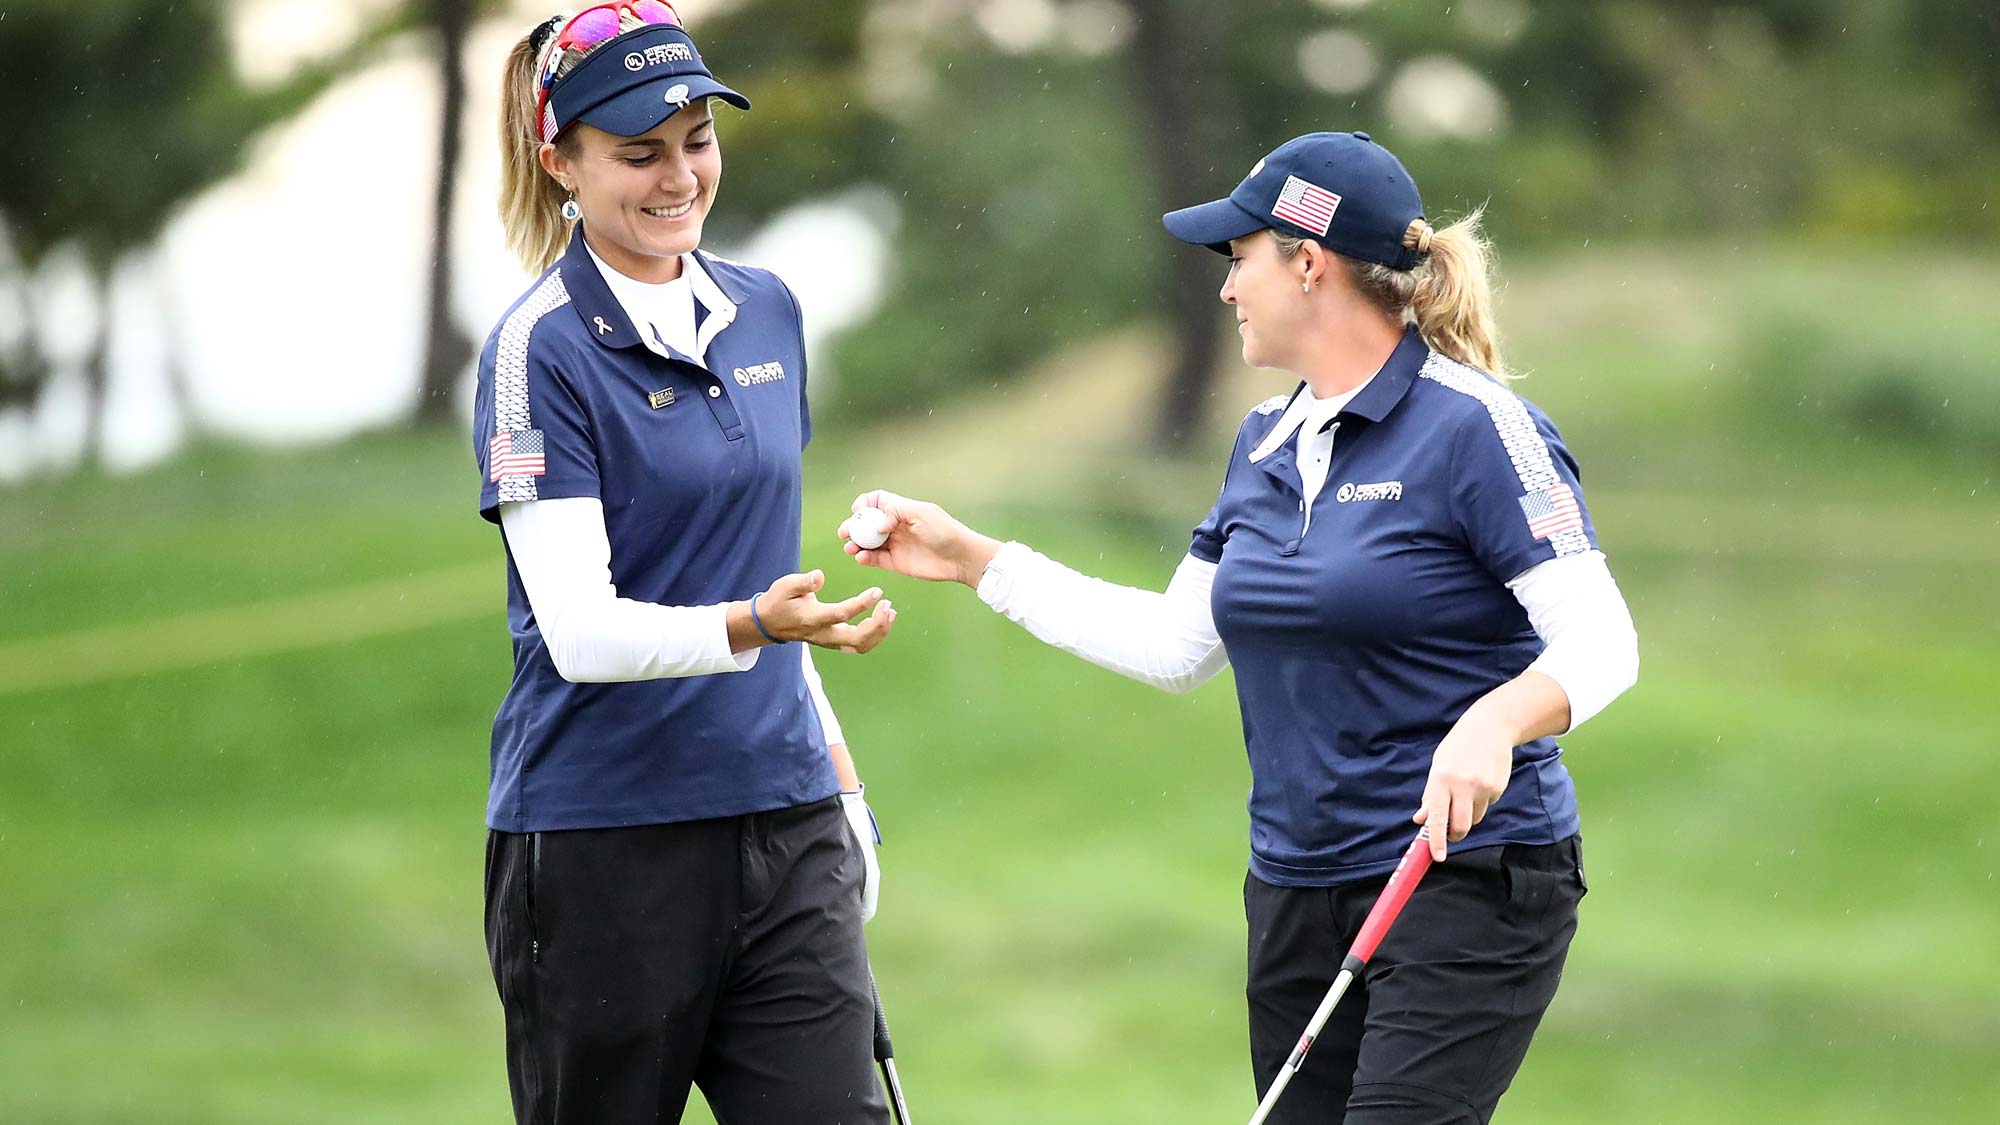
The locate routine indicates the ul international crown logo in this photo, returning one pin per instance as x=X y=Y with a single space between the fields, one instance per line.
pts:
x=658 y=53
x=759 y=373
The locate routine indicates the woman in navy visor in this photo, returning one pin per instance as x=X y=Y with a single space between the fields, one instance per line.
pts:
x=1403 y=573
x=679 y=860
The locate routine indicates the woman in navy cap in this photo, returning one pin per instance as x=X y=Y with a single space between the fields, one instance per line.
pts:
x=1402 y=571
x=679 y=861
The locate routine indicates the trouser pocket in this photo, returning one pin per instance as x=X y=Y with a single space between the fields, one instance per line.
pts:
x=528 y=897
x=511 y=944
x=513 y=938
x=1540 y=879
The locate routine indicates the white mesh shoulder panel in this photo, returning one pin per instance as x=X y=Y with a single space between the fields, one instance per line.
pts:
x=510 y=373
x=1523 y=442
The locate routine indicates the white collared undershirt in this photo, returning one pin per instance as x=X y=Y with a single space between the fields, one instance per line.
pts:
x=659 y=311
x=1316 y=436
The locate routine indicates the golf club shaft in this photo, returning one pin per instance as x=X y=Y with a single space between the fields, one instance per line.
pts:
x=885 y=1054
x=1298 y=1058
x=896 y=1104
x=1416 y=860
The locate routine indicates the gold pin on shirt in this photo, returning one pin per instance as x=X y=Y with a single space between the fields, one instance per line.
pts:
x=660 y=398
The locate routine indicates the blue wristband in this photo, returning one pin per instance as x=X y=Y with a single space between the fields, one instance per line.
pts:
x=759 y=623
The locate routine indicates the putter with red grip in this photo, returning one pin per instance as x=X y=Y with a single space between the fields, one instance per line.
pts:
x=1402 y=881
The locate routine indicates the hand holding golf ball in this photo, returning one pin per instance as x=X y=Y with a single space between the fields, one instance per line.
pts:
x=868 y=528
x=918 y=538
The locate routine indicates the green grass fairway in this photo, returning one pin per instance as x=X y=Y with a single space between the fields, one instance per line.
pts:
x=244 y=702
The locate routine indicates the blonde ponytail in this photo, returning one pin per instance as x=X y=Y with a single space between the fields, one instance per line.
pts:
x=1449 y=295
x=1453 y=300
x=530 y=199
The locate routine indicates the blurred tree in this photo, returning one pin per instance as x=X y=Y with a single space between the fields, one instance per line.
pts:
x=447 y=348
x=18 y=384
x=1185 y=99
x=118 y=111
x=1029 y=168
x=1967 y=33
x=1029 y=182
x=803 y=63
x=1029 y=145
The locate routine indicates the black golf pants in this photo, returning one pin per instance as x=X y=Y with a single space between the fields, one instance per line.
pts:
x=726 y=954
x=1438 y=1023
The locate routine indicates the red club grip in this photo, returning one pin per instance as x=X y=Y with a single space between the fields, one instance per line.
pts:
x=1402 y=881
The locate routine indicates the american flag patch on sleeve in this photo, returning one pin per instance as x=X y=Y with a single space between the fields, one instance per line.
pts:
x=515 y=453
x=1552 y=511
x=1306 y=204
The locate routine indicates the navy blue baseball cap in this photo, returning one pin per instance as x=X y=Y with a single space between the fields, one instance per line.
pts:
x=632 y=82
x=1341 y=190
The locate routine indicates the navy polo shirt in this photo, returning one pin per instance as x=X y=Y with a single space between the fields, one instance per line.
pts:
x=698 y=469
x=1358 y=643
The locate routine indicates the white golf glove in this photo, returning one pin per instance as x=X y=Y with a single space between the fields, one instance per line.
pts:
x=862 y=821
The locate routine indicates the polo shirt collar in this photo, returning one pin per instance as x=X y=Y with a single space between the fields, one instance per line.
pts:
x=1376 y=398
x=708 y=274
x=709 y=293
x=1393 y=381
x=1302 y=407
x=604 y=318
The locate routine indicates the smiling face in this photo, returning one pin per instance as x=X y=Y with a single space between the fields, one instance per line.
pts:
x=1272 y=312
x=644 y=198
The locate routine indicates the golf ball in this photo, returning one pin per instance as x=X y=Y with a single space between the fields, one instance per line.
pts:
x=869 y=528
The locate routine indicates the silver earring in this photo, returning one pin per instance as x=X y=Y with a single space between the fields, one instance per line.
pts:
x=570 y=211
x=1306 y=288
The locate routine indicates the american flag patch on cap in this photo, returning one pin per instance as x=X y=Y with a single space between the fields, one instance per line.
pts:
x=1309 y=206
x=515 y=453
x=1552 y=511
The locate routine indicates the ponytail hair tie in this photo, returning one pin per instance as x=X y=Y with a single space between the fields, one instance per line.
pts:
x=1418 y=236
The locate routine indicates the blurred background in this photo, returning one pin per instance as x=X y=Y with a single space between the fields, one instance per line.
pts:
x=251 y=626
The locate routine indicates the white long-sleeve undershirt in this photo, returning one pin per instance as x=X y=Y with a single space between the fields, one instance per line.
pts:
x=1166 y=639
x=1169 y=639
x=1590 y=646
x=563 y=555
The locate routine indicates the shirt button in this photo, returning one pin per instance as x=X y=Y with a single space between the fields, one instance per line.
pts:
x=714 y=392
